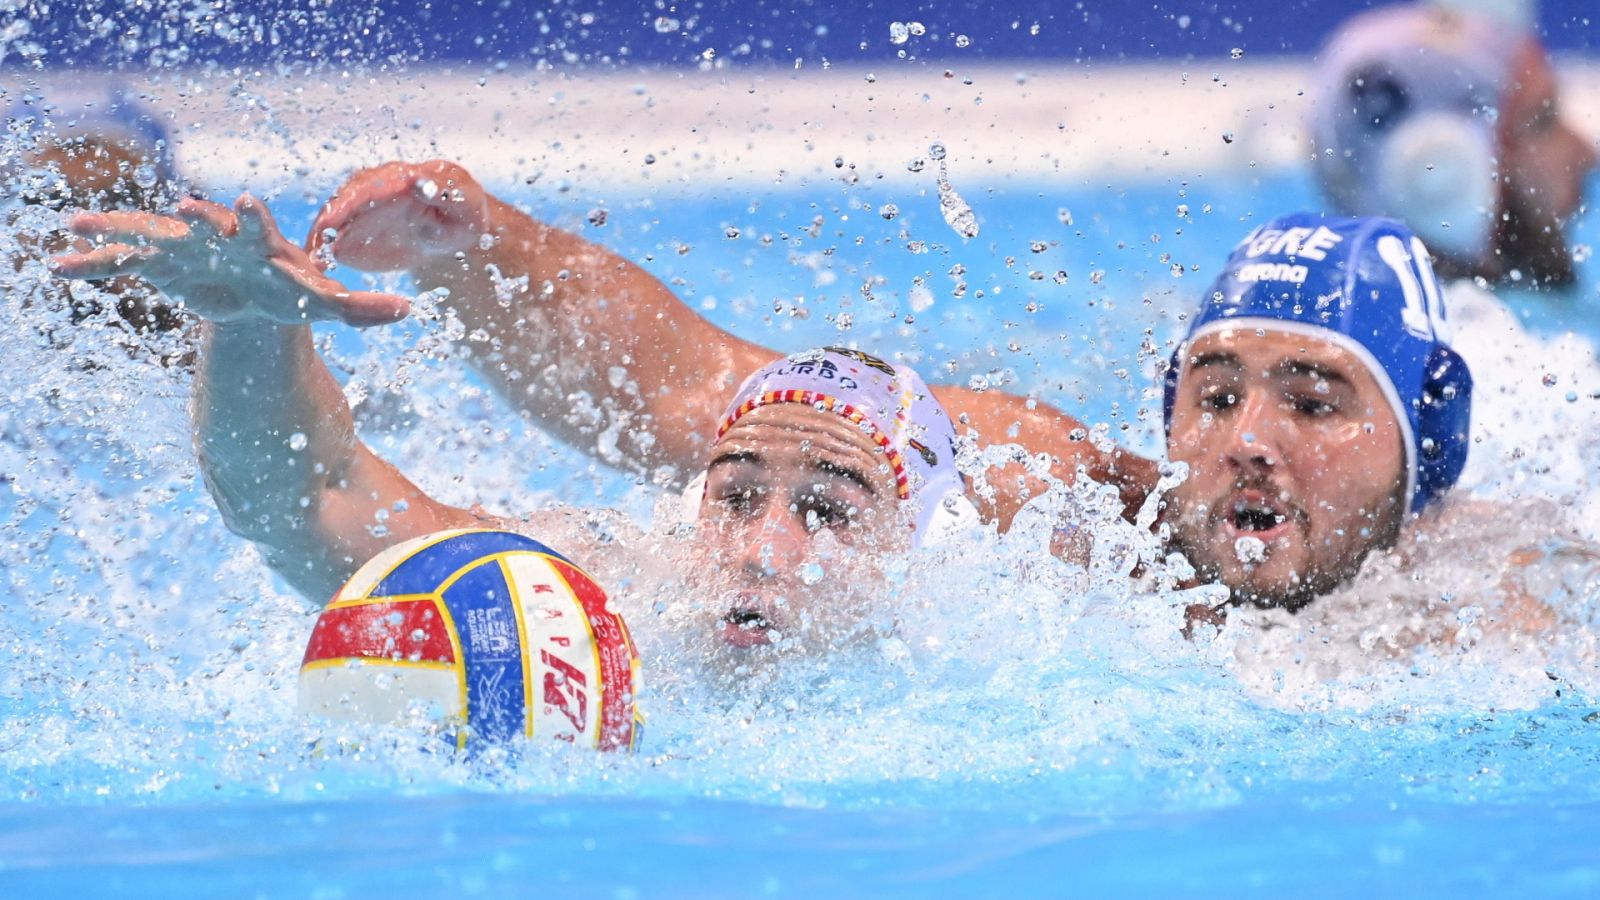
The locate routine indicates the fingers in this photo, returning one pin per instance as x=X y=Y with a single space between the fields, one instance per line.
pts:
x=364 y=189
x=126 y=226
x=207 y=218
x=254 y=218
x=365 y=308
x=321 y=298
x=438 y=184
x=326 y=299
x=109 y=261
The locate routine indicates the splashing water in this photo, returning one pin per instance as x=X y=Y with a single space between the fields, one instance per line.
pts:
x=957 y=212
x=155 y=657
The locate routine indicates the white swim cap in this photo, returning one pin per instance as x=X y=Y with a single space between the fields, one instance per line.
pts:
x=913 y=429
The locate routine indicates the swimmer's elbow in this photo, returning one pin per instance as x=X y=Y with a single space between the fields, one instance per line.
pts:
x=252 y=512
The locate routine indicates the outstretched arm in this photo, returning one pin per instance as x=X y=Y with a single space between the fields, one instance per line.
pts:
x=575 y=336
x=591 y=345
x=276 y=441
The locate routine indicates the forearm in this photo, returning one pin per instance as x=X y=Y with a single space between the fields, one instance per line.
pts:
x=998 y=418
x=271 y=427
x=588 y=342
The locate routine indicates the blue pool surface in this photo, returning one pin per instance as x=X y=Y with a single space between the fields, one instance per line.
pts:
x=148 y=744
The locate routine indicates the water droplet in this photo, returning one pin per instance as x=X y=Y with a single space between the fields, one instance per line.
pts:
x=730 y=232
x=812 y=573
x=1549 y=379
x=888 y=210
x=597 y=217
x=1227 y=137
x=963 y=41
x=1038 y=246
x=916 y=165
x=1250 y=549
x=297 y=441
x=898 y=32
x=1237 y=53
x=666 y=25
x=1064 y=216
x=427 y=188
x=936 y=152
x=956 y=211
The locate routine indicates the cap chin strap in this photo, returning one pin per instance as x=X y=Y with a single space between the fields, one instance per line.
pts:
x=1436 y=172
x=952 y=514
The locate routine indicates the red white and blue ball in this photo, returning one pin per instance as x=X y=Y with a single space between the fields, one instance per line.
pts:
x=489 y=635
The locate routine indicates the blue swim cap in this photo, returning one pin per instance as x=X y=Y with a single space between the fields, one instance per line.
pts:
x=1367 y=286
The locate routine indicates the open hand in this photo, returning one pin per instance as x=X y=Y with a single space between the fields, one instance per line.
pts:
x=398 y=216
x=224 y=265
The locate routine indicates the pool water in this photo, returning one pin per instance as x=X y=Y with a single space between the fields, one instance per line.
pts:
x=1064 y=740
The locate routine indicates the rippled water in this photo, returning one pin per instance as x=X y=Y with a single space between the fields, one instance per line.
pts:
x=1037 y=727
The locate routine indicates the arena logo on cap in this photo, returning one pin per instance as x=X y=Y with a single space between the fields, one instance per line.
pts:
x=1273 y=272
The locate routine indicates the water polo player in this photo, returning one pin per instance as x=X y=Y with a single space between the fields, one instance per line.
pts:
x=1449 y=120
x=1317 y=404
x=563 y=316
x=824 y=463
x=109 y=153
x=828 y=456
x=1279 y=510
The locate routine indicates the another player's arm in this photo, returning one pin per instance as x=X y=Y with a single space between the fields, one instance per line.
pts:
x=584 y=310
x=559 y=316
x=279 y=452
x=274 y=434
x=1037 y=427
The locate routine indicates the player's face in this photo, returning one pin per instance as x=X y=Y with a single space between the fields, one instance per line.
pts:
x=800 y=510
x=1295 y=465
x=1543 y=163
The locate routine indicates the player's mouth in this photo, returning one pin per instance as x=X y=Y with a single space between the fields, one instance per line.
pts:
x=748 y=624
x=1257 y=514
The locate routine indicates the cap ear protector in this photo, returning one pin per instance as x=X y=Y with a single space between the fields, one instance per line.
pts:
x=1436 y=171
x=1443 y=421
x=1403 y=121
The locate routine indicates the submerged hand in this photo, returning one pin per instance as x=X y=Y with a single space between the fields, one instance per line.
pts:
x=398 y=216
x=224 y=265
